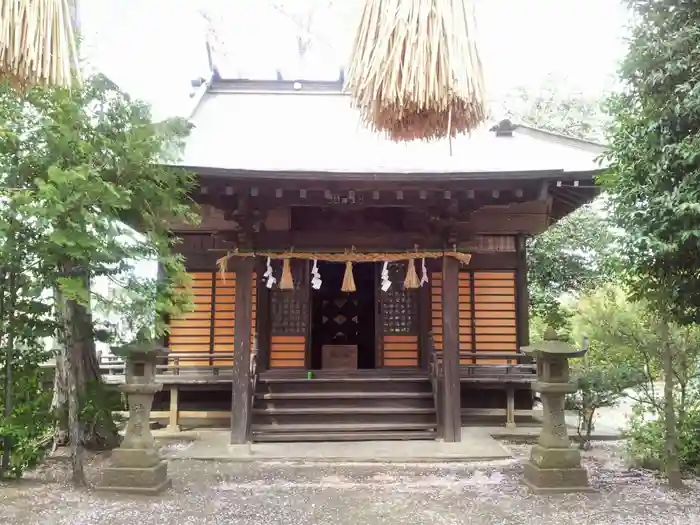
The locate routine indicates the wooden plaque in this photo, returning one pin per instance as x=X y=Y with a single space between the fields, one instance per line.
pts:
x=339 y=357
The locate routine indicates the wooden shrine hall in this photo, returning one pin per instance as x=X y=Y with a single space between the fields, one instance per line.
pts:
x=347 y=287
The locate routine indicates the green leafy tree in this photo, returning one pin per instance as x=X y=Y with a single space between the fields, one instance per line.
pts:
x=628 y=347
x=92 y=170
x=573 y=257
x=25 y=419
x=621 y=355
x=577 y=253
x=654 y=180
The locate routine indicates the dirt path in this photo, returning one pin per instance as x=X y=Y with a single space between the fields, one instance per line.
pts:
x=209 y=493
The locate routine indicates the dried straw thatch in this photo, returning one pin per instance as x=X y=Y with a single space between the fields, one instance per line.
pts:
x=37 y=43
x=415 y=72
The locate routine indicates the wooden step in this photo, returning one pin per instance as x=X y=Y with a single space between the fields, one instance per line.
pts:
x=336 y=410
x=350 y=379
x=323 y=428
x=344 y=395
x=335 y=385
x=404 y=435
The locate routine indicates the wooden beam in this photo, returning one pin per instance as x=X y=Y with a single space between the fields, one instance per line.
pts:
x=522 y=296
x=240 y=389
x=344 y=239
x=220 y=196
x=450 y=350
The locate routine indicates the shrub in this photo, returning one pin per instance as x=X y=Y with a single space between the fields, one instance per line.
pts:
x=30 y=425
x=599 y=385
x=646 y=444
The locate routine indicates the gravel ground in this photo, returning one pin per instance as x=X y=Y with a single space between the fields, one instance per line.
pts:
x=209 y=493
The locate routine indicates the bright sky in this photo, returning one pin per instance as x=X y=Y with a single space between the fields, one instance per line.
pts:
x=153 y=48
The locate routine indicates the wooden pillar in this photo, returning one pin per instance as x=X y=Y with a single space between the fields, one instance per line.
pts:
x=240 y=403
x=522 y=296
x=424 y=325
x=173 y=416
x=450 y=350
x=510 y=407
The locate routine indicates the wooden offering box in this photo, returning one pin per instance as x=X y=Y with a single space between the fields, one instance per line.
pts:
x=339 y=357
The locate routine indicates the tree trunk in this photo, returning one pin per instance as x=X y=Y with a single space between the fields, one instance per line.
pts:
x=79 y=349
x=673 y=471
x=70 y=372
x=76 y=445
x=585 y=427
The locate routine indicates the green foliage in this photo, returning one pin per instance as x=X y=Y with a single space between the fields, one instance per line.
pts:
x=30 y=423
x=646 y=436
x=98 y=403
x=625 y=333
x=620 y=331
x=625 y=359
x=87 y=191
x=654 y=148
x=600 y=385
x=91 y=171
x=577 y=253
x=572 y=257
x=612 y=364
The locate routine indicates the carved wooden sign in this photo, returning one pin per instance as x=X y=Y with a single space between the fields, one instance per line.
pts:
x=348 y=197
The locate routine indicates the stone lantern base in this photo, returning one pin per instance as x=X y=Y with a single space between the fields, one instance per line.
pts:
x=136 y=471
x=555 y=470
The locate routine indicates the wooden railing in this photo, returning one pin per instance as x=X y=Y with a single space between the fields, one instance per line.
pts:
x=436 y=379
x=197 y=366
x=497 y=372
x=179 y=367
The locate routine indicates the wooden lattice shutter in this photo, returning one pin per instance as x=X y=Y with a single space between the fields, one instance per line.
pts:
x=464 y=312
x=399 y=320
x=289 y=319
x=494 y=313
x=209 y=329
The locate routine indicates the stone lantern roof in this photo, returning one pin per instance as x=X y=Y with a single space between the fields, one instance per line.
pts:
x=553 y=345
x=142 y=345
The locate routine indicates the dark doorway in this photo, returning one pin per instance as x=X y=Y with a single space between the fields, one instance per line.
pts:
x=344 y=318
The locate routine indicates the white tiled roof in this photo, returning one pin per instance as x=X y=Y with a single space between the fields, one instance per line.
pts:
x=321 y=132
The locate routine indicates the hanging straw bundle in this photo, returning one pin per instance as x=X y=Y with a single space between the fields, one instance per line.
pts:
x=37 y=43
x=411 y=280
x=415 y=72
x=286 y=281
x=348 y=279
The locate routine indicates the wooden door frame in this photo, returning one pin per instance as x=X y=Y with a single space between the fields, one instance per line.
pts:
x=263 y=319
x=378 y=333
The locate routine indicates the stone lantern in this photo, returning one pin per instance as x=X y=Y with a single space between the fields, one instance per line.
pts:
x=554 y=466
x=136 y=466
